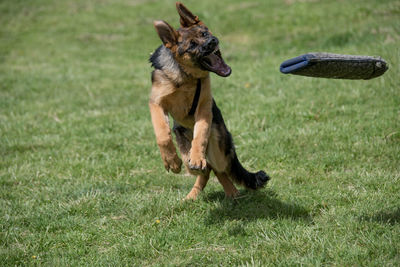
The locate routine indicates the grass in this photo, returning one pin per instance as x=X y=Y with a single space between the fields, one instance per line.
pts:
x=81 y=179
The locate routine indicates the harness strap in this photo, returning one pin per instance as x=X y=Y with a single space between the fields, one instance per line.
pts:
x=196 y=98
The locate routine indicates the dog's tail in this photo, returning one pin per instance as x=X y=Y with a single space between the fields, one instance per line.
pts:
x=248 y=179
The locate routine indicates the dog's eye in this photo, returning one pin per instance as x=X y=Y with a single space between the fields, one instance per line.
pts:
x=192 y=45
x=204 y=34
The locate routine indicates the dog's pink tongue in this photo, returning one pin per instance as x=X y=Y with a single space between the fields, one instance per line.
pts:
x=219 y=66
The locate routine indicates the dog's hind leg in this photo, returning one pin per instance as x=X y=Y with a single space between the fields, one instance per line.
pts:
x=219 y=159
x=229 y=187
x=223 y=158
x=201 y=182
x=184 y=138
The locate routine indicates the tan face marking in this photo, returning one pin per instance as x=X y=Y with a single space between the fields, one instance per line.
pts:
x=193 y=37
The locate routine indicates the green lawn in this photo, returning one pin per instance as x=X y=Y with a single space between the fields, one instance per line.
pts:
x=81 y=178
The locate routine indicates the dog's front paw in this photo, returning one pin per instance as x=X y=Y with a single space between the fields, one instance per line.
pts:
x=173 y=163
x=197 y=162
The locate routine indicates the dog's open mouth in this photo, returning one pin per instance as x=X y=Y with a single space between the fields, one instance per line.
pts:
x=215 y=63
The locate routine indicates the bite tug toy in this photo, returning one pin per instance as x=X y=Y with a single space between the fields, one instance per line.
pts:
x=336 y=66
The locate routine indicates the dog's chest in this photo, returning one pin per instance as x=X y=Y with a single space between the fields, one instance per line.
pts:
x=180 y=103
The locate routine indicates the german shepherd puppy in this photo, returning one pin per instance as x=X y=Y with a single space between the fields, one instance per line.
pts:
x=181 y=88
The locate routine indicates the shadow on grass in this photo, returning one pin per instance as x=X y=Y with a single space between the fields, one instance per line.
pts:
x=22 y=148
x=252 y=206
x=387 y=217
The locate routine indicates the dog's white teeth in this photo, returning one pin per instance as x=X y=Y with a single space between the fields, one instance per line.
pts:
x=216 y=49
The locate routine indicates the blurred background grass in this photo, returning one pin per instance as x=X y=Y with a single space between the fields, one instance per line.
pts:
x=82 y=181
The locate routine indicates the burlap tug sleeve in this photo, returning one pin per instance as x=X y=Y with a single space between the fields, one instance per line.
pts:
x=336 y=66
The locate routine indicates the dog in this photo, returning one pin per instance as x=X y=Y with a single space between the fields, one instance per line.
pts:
x=181 y=88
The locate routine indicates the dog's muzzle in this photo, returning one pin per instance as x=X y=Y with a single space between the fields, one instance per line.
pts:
x=212 y=59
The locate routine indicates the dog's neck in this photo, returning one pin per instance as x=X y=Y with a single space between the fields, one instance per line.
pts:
x=163 y=60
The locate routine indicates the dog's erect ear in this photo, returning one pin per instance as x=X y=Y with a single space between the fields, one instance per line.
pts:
x=167 y=34
x=187 y=18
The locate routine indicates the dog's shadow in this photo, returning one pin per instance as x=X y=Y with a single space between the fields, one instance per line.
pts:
x=391 y=217
x=252 y=206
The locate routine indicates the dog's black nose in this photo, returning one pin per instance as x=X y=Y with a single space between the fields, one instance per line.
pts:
x=211 y=43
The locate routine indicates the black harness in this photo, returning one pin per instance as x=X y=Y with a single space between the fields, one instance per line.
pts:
x=195 y=99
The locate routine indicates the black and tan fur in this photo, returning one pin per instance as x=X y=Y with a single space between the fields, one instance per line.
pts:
x=182 y=65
